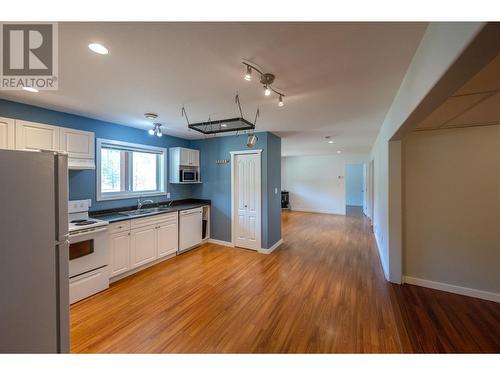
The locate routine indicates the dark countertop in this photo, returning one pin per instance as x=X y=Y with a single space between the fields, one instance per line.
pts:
x=114 y=215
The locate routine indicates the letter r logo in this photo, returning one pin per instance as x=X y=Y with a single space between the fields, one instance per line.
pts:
x=27 y=49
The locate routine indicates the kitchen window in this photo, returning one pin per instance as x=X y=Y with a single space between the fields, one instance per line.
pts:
x=128 y=170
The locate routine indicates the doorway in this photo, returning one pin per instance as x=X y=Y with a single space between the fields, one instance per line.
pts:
x=246 y=199
x=354 y=189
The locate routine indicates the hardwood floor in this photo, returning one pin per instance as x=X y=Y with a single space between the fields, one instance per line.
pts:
x=438 y=322
x=322 y=291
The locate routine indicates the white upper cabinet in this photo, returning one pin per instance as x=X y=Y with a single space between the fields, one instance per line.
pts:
x=180 y=158
x=194 y=158
x=185 y=156
x=189 y=157
x=80 y=146
x=35 y=136
x=7 y=133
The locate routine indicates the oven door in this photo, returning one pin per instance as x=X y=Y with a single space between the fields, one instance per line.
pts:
x=88 y=250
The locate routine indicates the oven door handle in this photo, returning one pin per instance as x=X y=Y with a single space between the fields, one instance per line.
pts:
x=88 y=231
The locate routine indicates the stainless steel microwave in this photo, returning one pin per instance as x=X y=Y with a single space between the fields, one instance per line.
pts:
x=189 y=175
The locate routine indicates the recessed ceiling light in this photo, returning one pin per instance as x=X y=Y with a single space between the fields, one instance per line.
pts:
x=30 y=89
x=339 y=152
x=330 y=142
x=98 y=48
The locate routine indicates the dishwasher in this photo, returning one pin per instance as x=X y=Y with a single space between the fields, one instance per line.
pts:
x=190 y=229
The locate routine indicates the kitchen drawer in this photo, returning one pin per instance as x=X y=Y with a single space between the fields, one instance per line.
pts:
x=155 y=219
x=120 y=226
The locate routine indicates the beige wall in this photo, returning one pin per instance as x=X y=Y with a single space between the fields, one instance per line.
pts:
x=441 y=45
x=317 y=182
x=452 y=207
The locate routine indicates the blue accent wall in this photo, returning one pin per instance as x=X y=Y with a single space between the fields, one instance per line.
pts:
x=273 y=189
x=216 y=178
x=82 y=184
x=217 y=183
x=354 y=184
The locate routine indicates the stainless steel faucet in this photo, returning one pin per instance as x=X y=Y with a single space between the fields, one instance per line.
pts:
x=142 y=203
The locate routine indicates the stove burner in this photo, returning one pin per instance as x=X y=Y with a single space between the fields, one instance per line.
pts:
x=82 y=222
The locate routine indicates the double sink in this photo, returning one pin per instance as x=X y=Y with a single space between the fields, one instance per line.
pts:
x=146 y=211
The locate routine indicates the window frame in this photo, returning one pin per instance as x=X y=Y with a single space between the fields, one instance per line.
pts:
x=127 y=146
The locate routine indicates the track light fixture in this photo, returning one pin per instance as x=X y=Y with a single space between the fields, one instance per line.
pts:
x=248 y=76
x=156 y=130
x=266 y=79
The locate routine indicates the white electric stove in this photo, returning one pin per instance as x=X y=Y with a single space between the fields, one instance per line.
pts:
x=88 y=252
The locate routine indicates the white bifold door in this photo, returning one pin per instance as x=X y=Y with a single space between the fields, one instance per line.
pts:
x=247 y=200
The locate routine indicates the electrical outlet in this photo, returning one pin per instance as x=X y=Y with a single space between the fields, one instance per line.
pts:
x=168 y=195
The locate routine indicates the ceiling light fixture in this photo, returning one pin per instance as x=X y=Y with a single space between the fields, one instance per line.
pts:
x=156 y=130
x=30 y=89
x=339 y=152
x=330 y=142
x=98 y=48
x=266 y=79
x=151 y=115
x=248 y=76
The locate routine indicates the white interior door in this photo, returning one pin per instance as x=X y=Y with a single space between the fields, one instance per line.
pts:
x=247 y=201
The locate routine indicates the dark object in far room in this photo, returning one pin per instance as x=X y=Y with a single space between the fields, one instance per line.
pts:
x=285 y=200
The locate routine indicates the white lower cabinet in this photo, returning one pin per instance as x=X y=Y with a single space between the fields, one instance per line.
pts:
x=120 y=252
x=167 y=238
x=137 y=242
x=143 y=249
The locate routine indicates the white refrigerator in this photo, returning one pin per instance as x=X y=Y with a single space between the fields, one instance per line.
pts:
x=34 y=281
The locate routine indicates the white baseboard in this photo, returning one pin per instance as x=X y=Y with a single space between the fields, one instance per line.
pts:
x=490 y=296
x=272 y=248
x=219 y=242
x=314 y=211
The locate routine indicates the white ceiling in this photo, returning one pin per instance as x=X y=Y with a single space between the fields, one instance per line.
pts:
x=339 y=78
x=477 y=103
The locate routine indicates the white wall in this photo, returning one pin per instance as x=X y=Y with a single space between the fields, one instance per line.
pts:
x=441 y=45
x=317 y=183
x=354 y=184
x=452 y=207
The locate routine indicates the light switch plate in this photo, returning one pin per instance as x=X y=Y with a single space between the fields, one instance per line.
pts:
x=168 y=195
x=275 y=190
